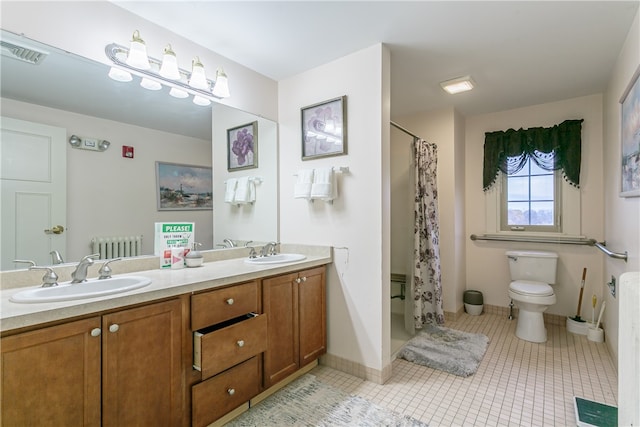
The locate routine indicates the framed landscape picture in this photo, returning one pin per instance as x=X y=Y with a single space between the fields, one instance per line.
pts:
x=183 y=187
x=630 y=139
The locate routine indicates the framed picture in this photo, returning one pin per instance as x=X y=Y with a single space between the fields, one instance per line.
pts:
x=183 y=187
x=324 y=129
x=242 y=147
x=630 y=138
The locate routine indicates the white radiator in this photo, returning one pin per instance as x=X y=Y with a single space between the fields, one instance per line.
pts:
x=629 y=349
x=117 y=246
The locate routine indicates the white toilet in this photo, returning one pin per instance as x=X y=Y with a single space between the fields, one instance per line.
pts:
x=532 y=273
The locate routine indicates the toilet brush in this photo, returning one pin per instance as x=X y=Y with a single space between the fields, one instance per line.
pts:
x=577 y=318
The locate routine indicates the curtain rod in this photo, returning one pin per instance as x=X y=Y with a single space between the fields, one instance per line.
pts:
x=394 y=124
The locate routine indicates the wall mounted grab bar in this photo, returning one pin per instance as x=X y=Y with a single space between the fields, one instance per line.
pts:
x=557 y=240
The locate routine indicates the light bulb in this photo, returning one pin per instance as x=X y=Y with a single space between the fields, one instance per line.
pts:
x=203 y=102
x=178 y=93
x=120 y=75
x=221 y=87
x=169 y=68
x=137 y=57
x=150 y=84
x=198 y=79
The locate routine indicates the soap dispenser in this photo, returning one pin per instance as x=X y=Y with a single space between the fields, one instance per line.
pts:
x=194 y=257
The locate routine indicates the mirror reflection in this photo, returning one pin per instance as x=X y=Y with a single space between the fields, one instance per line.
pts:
x=113 y=193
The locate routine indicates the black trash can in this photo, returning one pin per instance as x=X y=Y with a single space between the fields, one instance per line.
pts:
x=473 y=302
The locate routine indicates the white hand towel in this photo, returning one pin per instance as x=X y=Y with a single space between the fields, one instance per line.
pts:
x=242 y=191
x=230 y=190
x=323 y=186
x=302 y=187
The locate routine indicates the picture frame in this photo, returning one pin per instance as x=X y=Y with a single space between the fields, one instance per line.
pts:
x=324 y=128
x=183 y=187
x=242 y=147
x=630 y=138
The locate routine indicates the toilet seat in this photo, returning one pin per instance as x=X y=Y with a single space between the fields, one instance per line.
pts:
x=531 y=288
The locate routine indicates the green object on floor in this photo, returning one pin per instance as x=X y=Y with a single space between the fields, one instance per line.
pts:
x=590 y=413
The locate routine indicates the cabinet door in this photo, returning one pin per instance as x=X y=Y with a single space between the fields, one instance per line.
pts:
x=141 y=366
x=312 y=314
x=280 y=304
x=52 y=376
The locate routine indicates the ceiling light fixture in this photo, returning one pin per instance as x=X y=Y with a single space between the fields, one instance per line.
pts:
x=182 y=83
x=457 y=85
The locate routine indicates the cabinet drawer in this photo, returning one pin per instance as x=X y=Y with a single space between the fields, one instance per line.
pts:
x=223 y=304
x=219 y=395
x=217 y=349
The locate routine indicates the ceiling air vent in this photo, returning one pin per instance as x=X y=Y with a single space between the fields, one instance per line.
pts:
x=22 y=53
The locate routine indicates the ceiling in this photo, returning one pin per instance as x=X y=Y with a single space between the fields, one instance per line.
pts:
x=519 y=53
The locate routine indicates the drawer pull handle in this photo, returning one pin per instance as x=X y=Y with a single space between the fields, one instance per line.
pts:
x=95 y=332
x=304 y=278
x=114 y=327
x=298 y=280
x=230 y=301
x=240 y=343
x=231 y=392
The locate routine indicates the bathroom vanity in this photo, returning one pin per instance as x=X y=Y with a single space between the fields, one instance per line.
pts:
x=191 y=347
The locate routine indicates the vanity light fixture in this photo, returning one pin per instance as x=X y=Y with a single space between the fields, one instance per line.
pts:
x=129 y=62
x=457 y=85
x=137 y=56
x=169 y=68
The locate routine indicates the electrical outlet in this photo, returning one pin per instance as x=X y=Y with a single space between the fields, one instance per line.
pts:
x=612 y=286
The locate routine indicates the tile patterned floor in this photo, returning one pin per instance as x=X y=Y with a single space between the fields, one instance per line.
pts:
x=517 y=384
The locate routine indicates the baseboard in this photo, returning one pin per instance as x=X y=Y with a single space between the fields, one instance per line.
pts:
x=356 y=369
x=550 y=319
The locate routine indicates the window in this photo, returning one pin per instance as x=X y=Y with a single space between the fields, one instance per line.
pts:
x=531 y=200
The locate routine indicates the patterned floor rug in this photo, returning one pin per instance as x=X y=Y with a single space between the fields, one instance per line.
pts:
x=449 y=350
x=309 y=402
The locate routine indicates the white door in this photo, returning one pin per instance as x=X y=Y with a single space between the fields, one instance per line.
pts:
x=33 y=166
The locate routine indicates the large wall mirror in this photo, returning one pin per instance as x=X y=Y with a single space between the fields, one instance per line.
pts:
x=107 y=193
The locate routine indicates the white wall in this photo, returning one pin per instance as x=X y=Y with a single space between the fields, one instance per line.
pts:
x=487 y=268
x=622 y=215
x=108 y=194
x=86 y=27
x=258 y=221
x=356 y=224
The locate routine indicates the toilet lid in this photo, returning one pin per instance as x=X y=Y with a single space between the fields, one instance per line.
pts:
x=530 y=287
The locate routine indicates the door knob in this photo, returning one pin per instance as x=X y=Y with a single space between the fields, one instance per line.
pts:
x=57 y=229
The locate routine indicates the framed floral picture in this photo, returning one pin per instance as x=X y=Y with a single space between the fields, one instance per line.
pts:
x=183 y=187
x=324 y=129
x=242 y=147
x=630 y=138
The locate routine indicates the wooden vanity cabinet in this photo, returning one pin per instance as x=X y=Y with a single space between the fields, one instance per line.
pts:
x=119 y=369
x=229 y=335
x=296 y=331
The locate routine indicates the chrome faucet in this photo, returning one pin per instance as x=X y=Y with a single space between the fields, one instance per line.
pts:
x=105 y=271
x=79 y=275
x=56 y=258
x=269 y=249
x=49 y=279
x=229 y=243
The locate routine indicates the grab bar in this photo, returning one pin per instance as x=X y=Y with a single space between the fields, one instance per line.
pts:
x=616 y=255
x=560 y=240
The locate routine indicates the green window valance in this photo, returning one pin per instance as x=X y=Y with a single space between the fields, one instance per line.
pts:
x=557 y=147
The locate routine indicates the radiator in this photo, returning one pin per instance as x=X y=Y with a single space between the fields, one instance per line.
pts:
x=117 y=246
x=629 y=349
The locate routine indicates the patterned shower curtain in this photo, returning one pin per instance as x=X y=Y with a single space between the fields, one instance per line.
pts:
x=426 y=283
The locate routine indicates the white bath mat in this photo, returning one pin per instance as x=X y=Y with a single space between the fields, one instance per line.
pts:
x=449 y=350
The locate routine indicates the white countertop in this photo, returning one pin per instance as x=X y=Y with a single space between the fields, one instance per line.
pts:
x=164 y=284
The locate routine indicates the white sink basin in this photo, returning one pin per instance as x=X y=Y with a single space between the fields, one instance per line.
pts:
x=90 y=289
x=275 y=259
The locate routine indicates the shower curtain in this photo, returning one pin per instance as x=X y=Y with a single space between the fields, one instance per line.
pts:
x=425 y=299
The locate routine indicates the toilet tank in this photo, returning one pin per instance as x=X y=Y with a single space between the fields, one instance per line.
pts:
x=533 y=265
